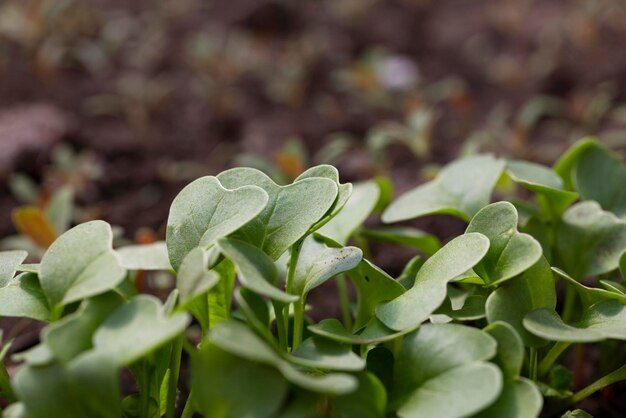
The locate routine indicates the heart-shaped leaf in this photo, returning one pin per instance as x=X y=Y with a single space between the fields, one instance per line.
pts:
x=317 y=263
x=577 y=413
x=590 y=241
x=440 y=371
x=532 y=290
x=344 y=191
x=290 y=212
x=600 y=176
x=356 y=210
x=604 y=320
x=373 y=286
x=461 y=189
x=237 y=339
x=410 y=309
x=546 y=183
x=80 y=263
x=510 y=252
x=23 y=297
x=256 y=271
x=137 y=328
x=145 y=257
x=205 y=211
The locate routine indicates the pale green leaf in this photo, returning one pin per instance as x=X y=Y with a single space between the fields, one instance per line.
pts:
x=412 y=308
x=461 y=189
x=590 y=241
x=517 y=297
x=80 y=263
x=317 y=263
x=256 y=270
x=205 y=211
x=145 y=257
x=290 y=212
x=510 y=252
x=137 y=328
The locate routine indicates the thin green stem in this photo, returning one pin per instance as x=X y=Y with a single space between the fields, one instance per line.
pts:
x=172 y=388
x=298 y=323
x=293 y=262
x=344 y=301
x=189 y=409
x=532 y=364
x=554 y=353
x=609 y=379
x=570 y=302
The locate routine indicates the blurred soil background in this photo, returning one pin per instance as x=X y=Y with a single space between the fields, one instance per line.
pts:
x=126 y=101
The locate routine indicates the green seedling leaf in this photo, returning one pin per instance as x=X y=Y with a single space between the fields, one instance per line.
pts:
x=320 y=353
x=226 y=386
x=440 y=371
x=406 y=236
x=137 y=328
x=205 y=211
x=510 y=252
x=604 y=320
x=87 y=387
x=344 y=191
x=193 y=278
x=622 y=265
x=368 y=401
x=221 y=295
x=564 y=167
x=373 y=332
x=10 y=261
x=80 y=263
x=532 y=290
x=407 y=277
x=461 y=189
x=590 y=241
x=59 y=209
x=256 y=271
x=145 y=257
x=520 y=398
x=72 y=335
x=510 y=352
x=317 y=263
x=29 y=268
x=543 y=181
x=589 y=295
x=373 y=286
x=291 y=210
x=410 y=309
x=237 y=339
x=23 y=297
x=356 y=210
x=600 y=176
